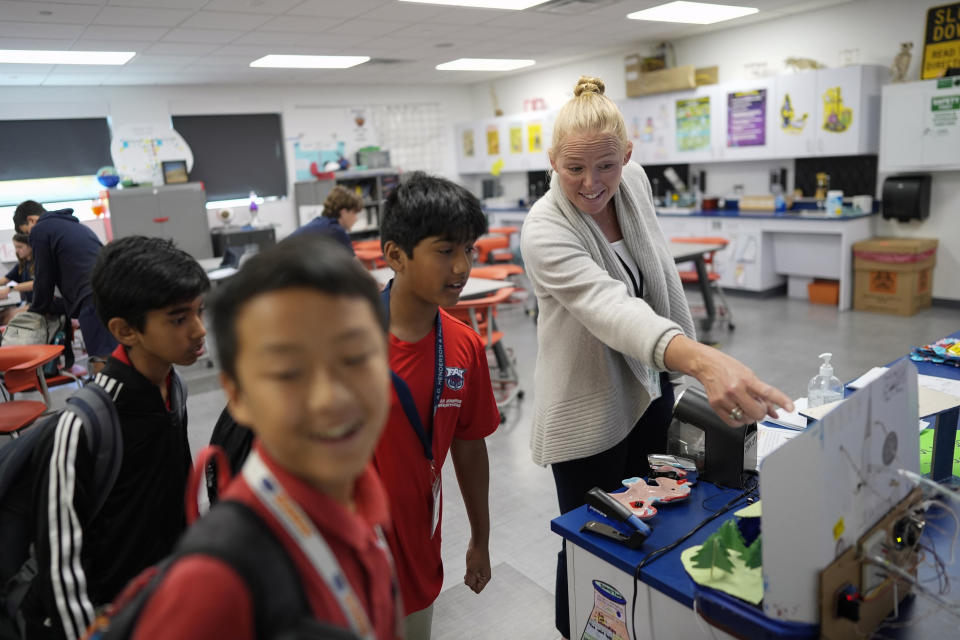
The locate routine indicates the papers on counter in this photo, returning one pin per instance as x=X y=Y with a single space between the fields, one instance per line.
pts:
x=935 y=394
x=791 y=420
x=769 y=439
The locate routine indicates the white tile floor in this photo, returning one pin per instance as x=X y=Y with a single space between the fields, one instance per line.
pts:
x=777 y=337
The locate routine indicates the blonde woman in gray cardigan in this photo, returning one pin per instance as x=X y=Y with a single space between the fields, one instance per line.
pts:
x=614 y=324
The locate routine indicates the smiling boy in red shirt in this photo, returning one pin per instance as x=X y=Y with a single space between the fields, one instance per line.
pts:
x=442 y=397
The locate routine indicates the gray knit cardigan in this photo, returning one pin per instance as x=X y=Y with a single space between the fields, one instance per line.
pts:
x=599 y=347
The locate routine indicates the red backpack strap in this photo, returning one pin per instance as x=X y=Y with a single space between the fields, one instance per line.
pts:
x=214 y=457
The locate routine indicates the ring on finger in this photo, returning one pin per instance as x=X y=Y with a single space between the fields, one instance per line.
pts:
x=736 y=414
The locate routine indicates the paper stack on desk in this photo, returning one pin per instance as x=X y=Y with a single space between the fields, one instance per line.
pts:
x=791 y=420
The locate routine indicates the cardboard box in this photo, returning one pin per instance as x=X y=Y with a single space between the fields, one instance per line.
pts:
x=641 y=83
x=893 y=275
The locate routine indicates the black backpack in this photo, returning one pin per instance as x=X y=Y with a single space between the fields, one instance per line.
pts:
x=103 y=437
x=236 y=440
x=233 y=533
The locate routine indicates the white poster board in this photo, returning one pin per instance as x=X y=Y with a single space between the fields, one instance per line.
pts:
x=822 y=490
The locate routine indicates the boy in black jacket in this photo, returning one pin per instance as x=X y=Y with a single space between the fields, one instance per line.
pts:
x=149 y=294
x=64 y=252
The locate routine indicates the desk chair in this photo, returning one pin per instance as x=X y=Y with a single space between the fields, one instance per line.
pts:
x=21 y=363
x=479 y=313
x=493 y=249
x=690 y=276
x=369 y=253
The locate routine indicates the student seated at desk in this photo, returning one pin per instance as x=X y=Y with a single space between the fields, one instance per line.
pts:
x=340 y=212
x=22 y=275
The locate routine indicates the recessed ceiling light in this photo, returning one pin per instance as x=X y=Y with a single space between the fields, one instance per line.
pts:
x=692 y=13
x=516 y=5
x=27 y=56
x=484 y=64
x=309 y=62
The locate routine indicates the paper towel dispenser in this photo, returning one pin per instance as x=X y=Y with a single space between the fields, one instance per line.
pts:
x=906 y=198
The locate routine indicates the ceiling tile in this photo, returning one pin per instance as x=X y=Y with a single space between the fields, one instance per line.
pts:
x=467 y=15
x=81 y=69
x=182 y=48
x=276 y=7
x=107 y=45
x=51 y=12
x=39 y=30
x=90 y=2
x=142 y=17
x=34 y=43
x=407 y=12
x=224 y=20
x=9 y=69
x=214 y=36
x=364 y=27
x=221 y=61
x=157 y=60
x=301 y=23
x=21 y=79
x=74 y=79
x=249 y=51
x=430 y=31
x=276 y=37
x=168 y=4
x=336 y=9
x=144 y=34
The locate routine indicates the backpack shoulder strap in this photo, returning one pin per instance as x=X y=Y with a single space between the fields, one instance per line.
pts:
x=178 y=396
x=104 y=438
x=233 y=533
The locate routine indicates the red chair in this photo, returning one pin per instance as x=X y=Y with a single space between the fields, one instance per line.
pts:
x=691 y=277
x=493 y=249
x=22 y=363
x=501 y=256
x=480 y=314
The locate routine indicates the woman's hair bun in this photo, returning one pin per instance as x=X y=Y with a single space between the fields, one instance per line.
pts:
x=586 y=84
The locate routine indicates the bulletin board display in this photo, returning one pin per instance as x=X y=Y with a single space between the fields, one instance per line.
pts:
x=514 y=143
x=941 y=42
x=138 y=150
x=412 y=133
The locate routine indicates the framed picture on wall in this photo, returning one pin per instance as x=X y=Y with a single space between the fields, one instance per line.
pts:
x=174 y=171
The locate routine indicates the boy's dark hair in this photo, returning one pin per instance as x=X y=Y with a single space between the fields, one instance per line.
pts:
x=423 y=206
x=136 y=275
x=24 y=209
x=312 y=261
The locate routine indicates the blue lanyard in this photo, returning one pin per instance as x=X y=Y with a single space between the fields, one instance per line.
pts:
x=403 y=389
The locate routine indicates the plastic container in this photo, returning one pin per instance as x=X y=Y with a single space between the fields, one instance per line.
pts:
x=834 y=203
x=824 y=292
x=824 y=387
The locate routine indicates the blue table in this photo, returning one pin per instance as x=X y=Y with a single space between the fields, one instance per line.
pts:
x=945 y=423
x=666 y=594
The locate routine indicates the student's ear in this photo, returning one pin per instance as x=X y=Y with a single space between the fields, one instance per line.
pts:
x=343 y=211
x=123 y=331
x=238 y=408
x=395 y=257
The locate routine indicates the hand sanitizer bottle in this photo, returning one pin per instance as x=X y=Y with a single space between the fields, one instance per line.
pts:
x=825 y=387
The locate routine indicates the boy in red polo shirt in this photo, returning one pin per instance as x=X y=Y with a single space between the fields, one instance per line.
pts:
x=442 y=399
x=301 y=340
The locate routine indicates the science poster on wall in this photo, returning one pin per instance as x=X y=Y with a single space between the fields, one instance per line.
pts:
x=535 y=137
x=468 y=143
x=516 y=138
x=693 y=124
x=493 y=140
x=747 y=118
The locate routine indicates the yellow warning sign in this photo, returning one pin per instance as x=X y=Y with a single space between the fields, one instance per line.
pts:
x=941 y=44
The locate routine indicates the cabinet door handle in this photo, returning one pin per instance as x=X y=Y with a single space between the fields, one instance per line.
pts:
x=161 y=220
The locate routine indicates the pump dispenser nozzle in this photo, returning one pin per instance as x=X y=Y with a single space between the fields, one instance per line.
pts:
x=826 y=387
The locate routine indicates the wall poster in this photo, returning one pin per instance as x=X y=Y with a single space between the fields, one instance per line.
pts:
x=693 y=124
x=747 y=118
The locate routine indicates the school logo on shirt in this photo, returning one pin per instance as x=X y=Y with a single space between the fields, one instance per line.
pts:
x=455 y=378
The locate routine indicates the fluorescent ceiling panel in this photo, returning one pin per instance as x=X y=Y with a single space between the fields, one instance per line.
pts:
x=692 y=13
x=516 y=5
x=27 y=56
x=309 y=62
x=484 y=64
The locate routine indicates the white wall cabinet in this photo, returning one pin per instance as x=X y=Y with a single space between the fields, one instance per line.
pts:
x=920 y=127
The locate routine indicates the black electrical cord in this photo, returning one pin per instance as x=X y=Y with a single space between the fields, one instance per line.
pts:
x=653 y=555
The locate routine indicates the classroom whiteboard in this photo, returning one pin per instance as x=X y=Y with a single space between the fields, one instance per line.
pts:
x=413 y=133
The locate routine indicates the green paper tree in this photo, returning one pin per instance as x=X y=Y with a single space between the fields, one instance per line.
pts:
x=752 y=556
x=713 y=553
x=731 y=537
